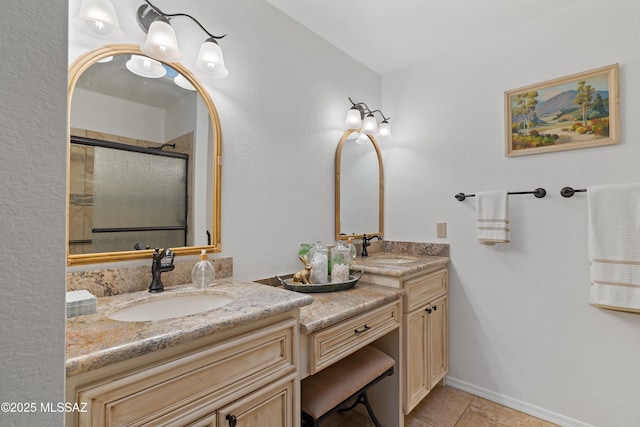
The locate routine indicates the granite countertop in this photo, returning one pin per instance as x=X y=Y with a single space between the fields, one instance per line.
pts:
x=329 y=308
x=386 y=263
x=94 y=340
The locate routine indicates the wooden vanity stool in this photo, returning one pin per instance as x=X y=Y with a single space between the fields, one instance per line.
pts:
x=328 y=390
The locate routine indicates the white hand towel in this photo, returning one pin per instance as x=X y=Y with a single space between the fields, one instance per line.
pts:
x=614 y=246
x=492 y=213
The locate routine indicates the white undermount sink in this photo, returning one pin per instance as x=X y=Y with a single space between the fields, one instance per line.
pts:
x=170 y=307
x=391 y=260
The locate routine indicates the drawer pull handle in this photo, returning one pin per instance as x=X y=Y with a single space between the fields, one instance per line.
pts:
x=365 y=329
x=435 y=307
x=232 y=420
x=428 y=310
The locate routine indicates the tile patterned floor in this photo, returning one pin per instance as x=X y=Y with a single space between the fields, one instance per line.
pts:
x=449 y=407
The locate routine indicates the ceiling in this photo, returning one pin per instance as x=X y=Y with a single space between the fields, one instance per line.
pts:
x=388 y=35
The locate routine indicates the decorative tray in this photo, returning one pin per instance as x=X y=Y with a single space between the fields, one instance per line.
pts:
x=326 y=287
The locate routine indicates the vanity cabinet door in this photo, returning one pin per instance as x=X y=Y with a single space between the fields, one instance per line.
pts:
x=270 y=406
x=438 y=343
x=427 y=346
x=417 y=359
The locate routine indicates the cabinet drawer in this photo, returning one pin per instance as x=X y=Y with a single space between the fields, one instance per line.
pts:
x=335 y=342
x=218 y=373
x=422 y=289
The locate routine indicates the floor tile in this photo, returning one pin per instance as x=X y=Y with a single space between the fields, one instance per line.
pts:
x=484 y=413
x=448 y=407
x=347 y=419
x=443 y=406
x=413 y=421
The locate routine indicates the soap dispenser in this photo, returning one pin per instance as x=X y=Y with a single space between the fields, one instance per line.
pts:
x=203 y=272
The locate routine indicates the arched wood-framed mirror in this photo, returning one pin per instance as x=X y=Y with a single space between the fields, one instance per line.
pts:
x=359 y=187
x=190 y=125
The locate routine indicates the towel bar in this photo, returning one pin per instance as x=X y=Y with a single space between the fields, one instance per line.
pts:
x=538 y=192
x=568 y=191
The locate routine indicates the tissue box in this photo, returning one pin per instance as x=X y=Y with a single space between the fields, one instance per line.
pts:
x=80 y=302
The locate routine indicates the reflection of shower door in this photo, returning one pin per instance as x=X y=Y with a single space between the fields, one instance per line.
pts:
x=139 y=198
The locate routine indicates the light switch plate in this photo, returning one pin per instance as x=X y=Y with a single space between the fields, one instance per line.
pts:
x=441 y=230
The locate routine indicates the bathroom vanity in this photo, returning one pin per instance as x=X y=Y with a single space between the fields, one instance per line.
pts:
x=236 y=364
x=424 y=318
x=240 y=363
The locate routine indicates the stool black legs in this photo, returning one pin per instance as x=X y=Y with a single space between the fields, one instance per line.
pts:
x=363 y=399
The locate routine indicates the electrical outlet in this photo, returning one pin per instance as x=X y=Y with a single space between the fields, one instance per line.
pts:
x=441 y=230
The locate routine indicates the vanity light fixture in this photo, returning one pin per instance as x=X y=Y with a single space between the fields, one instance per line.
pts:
x=161 y=42
x=368 y=124
x=98 y=18
x=385 y=128
x=354 y=118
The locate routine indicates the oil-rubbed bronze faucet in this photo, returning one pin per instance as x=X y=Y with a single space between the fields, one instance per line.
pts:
x=366 y=241
x=158 y=267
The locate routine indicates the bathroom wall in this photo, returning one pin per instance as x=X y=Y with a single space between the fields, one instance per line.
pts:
x=33 y=130
x=521 y=327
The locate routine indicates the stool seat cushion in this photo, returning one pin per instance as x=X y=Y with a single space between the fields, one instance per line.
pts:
x=331 y=386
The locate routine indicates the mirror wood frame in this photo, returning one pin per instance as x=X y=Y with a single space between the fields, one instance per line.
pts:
x=380 y=231
x=75 y=71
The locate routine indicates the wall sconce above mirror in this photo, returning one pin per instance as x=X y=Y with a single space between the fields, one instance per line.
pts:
x=127 y=130
x=361 y=118
x=98 y=18
x=359 y=187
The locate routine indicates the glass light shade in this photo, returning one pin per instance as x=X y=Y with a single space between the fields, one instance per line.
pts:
x=384 y=129
x=145 y=67
x=369 y=125
x=161 y=43
x=210 y=60
x=354 y=119
x=181 y=81
x=98 y=18
x=353 y=135
x=362 y=139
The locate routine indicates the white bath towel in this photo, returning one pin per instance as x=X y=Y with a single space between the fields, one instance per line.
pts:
x=492 y=214
x=614 y=246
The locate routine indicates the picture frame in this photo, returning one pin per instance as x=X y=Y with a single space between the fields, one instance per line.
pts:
x=567 y=113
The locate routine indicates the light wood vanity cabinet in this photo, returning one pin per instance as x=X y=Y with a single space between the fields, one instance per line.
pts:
x=249 y=379
x=425 y=330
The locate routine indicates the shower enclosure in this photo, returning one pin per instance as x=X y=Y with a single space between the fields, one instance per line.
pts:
x=124 y=197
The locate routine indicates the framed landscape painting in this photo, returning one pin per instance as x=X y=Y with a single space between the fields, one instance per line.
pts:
x=577 y=111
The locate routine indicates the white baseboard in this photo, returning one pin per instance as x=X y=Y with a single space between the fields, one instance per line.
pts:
x=516 y=404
